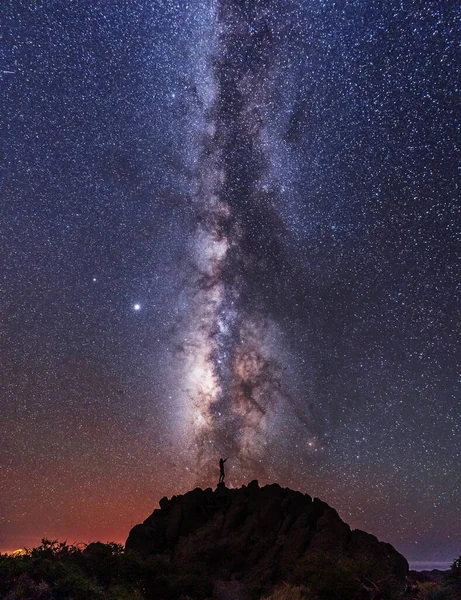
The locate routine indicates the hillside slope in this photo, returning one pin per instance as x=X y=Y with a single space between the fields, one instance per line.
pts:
x=259 y=536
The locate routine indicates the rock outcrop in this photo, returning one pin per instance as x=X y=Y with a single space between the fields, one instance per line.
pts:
x=262 y=533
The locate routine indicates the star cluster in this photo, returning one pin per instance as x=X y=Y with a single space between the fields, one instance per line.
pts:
x=229 y=229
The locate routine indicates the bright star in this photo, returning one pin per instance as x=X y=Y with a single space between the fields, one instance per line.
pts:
x=137 y=307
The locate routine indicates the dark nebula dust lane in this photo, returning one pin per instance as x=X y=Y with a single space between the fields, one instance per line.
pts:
x=229 y=229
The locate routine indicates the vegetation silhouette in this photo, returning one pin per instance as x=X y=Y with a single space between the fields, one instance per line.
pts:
x=59 y=571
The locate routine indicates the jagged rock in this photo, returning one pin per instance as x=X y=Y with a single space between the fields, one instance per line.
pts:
x=362 y=544
x=257 y=533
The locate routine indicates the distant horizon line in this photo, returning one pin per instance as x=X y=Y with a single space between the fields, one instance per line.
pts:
x=440 y=565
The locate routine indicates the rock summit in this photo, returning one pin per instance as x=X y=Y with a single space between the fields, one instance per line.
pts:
x=257 y=533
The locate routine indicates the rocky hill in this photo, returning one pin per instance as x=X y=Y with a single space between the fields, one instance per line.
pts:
x=261 y=536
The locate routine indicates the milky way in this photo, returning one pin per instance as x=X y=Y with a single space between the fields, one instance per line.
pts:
x=233 y=350
x=230 y=230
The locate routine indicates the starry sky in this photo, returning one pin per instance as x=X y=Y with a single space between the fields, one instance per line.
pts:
x=228 y=229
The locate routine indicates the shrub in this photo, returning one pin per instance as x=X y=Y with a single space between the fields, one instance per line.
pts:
x=455 y=571
x=330 y=578
x=289 y=592
x=432 y=591
x=27 y=589
x=56 y=571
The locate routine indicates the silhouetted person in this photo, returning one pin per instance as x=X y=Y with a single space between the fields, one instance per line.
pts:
x=221 y=469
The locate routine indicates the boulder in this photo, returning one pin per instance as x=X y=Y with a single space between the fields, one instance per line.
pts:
x=257 y=534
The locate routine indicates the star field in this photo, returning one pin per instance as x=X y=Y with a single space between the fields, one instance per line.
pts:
x=230 y=228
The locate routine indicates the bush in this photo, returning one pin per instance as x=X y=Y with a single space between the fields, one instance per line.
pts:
x=26 y=589
x=11 y=570
x=455 y=571
x=56 y=571
x=289 y=592
x=432 y=591
x=329 y=578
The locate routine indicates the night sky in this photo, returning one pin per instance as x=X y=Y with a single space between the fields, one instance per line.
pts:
x=228 y=229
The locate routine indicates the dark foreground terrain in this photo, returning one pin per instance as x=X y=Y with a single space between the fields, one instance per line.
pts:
x=228 y=544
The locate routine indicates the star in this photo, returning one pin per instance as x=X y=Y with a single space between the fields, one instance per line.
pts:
x=286 y=174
